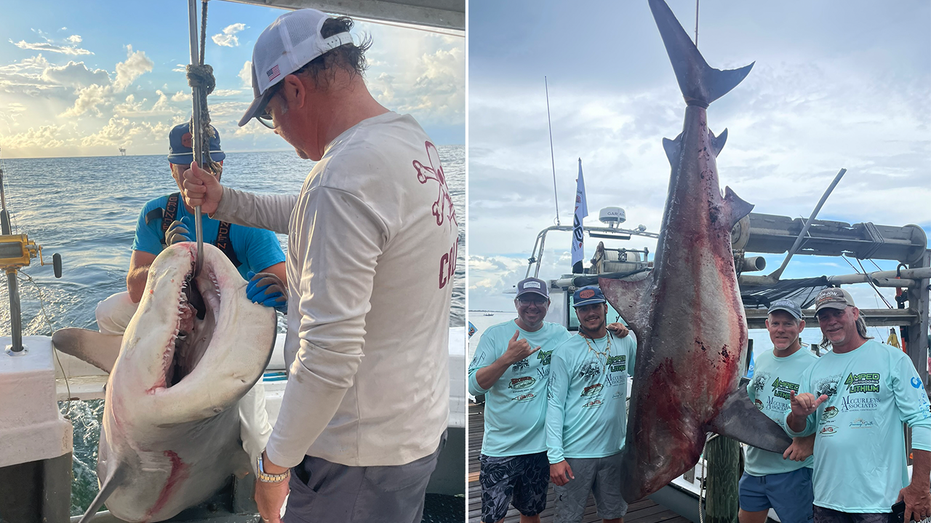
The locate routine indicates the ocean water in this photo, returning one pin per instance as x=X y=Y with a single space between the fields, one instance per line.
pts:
x=86 y=209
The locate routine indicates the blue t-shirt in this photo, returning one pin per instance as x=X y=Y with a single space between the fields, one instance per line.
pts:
x=256 y=249
x=860 y=441
x=586 y=415
x=773 y=378
x=515 y=406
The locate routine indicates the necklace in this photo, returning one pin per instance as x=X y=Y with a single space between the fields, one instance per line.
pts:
x=599 y=355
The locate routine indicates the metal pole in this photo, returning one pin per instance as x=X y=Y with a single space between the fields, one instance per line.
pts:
x=195 y=132
x=16 y=316
x=552 y=157
x=801 y=236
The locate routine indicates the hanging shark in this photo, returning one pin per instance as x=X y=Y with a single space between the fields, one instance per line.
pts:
x=170 y=435
x=687 y=312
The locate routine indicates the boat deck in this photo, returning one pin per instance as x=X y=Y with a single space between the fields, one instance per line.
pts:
x=643 y=511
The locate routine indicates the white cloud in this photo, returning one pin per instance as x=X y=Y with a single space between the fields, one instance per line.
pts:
x=226 y=92
x=228 y=38
x=74 y=39
x=50 y=47
x=45 y=137
x=245 y=74
x=181 y=96
x=88 y=100
x=90 y=97
x=135 y=65
x=75 y=74
x=180 y=68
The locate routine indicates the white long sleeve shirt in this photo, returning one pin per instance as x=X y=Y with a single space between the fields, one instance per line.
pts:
x=372 y=242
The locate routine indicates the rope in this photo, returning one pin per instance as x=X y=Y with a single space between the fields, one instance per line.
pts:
x=200 y=78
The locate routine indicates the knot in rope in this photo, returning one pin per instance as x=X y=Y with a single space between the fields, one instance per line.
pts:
x=201 y=76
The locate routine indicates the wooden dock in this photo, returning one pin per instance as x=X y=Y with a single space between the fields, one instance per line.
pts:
x=643 y=511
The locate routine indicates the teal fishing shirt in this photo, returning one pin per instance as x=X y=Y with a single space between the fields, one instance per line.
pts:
x=515 y=406
x=773 y=378
x=586 y=415
x=860 y=442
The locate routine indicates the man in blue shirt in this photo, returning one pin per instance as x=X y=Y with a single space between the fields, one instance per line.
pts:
x=167 y=220
x=586 y=415
x=772 y=480
x=855 y=400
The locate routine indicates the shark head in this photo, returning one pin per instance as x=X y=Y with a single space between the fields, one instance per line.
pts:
x=170 y=433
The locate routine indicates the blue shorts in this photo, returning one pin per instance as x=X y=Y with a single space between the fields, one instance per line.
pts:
x=789 y=494
x=519 y=480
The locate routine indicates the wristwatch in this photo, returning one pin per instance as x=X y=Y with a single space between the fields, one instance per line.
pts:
x=265 y=477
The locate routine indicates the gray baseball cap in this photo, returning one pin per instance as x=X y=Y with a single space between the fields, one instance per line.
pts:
x=532 y=285
x=786 y=305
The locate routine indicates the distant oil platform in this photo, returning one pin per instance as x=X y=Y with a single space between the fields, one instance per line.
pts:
x=122 y=151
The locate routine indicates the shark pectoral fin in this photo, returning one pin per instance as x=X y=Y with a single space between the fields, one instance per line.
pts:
x=113 y=481
x=741 y=420
x=98 y=349
x=736 y=208
x=626 y=297
x=717 y=142
x=672 y=148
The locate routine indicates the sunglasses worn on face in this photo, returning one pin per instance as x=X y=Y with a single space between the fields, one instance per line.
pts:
x=264 y=117
x=532 y=301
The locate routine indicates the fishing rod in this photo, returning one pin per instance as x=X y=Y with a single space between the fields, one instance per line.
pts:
x=16 y=252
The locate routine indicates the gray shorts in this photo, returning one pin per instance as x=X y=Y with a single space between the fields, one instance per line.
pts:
x=326 y=491
x=601 y=477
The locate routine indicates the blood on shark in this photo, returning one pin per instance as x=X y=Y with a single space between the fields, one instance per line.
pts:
x=170 y=435
x=687 y=312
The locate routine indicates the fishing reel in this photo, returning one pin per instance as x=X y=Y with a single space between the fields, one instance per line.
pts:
x=17 y=250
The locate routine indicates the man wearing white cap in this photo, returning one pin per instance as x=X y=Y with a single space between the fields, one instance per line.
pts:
x=372 y=243
x=772 y=480
x=855 y=399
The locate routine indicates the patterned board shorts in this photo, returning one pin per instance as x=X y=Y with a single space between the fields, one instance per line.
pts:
x=519 y=480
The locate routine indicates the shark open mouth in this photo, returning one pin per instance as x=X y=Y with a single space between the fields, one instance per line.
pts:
x=198 y=308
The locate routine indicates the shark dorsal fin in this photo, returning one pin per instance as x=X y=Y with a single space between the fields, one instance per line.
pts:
x=672 y=148
x=736 y=208
x=717 y=142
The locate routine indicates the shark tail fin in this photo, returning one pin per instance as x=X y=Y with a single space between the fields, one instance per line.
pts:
x=741 y=420
x=700 y=83
x=109 y=485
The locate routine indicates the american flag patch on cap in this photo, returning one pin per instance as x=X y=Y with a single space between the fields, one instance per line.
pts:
x=273 y=72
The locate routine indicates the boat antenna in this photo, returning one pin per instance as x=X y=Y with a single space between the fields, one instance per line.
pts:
x=552 y=157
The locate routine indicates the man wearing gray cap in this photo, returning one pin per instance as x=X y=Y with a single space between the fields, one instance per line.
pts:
x=372 y=244
x=771 y=480
x=511 y=368
x=855 y=399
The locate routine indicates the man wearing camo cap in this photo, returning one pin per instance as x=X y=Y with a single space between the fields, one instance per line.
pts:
x=854 y=399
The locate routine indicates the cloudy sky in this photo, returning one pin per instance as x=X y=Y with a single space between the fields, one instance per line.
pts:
x=83 y=79
x=836 y=83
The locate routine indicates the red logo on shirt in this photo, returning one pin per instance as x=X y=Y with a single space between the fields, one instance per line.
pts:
x=443 y=206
